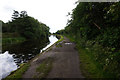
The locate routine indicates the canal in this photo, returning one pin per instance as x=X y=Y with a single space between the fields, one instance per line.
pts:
x=14 y=55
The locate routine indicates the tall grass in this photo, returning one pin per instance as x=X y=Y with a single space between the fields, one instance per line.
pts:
x=17 y=75
x=11 y=38
x=96 y=61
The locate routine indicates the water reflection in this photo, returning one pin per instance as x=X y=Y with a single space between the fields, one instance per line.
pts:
x=26 y=50
x=7 y=64
x=52 y=39
x=16 y=54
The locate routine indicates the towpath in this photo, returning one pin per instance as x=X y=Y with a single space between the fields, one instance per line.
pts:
x=66 y=62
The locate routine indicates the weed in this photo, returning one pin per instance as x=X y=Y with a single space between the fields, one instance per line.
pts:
x=44 y=68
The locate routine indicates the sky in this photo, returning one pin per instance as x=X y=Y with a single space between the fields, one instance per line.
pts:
x=51 y=12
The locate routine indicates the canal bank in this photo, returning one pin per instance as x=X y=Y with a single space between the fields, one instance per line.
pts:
x=61 y=60
x=23 y=66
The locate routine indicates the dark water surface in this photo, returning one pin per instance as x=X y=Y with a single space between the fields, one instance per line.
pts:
x=14 y=55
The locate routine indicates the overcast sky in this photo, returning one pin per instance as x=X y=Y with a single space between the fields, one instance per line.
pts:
x=51 y=12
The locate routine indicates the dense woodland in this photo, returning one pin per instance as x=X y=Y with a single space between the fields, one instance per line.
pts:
x=96 y=28
x=25 y=26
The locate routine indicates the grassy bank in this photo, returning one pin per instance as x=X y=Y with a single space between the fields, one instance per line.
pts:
x=16 y=40
x=90 y=66
x=17 y=75
x=43 y=69
x=61 y=38
x=11 y=38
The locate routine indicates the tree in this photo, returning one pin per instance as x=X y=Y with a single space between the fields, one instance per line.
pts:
x=15 y=15
x=26 y=26
x=23 y=14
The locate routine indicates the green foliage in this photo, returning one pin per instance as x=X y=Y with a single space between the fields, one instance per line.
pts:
x=61 y=38
x=90 y=20
x=11 y=38
x=96 y=28
x=60 y=31
x=44 y=68
x=26 y=26
x=17 y=75
x=6 y=41
x=9 y=35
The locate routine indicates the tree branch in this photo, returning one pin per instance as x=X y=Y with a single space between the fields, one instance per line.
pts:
x=97 y=25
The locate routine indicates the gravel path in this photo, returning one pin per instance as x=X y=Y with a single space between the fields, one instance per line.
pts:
x=65 y=65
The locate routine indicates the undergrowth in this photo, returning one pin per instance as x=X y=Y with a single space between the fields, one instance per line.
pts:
x=96 y=61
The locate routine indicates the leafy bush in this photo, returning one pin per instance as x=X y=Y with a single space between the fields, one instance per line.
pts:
x=26 y=26
x=96 y=27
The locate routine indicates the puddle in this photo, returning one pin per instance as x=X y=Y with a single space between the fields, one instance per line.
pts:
x=68 y=43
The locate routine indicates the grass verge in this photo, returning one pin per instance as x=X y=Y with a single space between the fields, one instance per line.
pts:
x=61 y=39
x=17 y=75
x=6 y=41
x=58 y=43
x=11 y=38
x=44 y=68
x=89 y=67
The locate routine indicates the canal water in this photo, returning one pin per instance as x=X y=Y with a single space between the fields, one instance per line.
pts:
x=13 y=55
